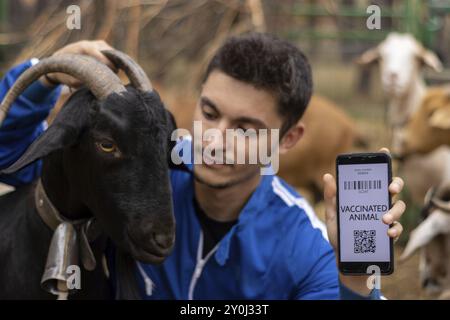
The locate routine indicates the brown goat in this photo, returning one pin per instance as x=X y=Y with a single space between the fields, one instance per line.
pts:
x=429 y=127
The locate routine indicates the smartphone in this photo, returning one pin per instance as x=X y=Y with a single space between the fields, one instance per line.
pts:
x=362 y=199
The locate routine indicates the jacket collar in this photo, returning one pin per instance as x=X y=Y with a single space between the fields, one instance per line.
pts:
x=258 y=201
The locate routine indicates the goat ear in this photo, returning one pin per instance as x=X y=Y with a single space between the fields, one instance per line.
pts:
x=440 y=118
x=430 y=59
x=63 y=132
x=368 y=57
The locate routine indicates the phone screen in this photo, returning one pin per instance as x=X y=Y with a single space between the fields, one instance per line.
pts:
x=363 y=200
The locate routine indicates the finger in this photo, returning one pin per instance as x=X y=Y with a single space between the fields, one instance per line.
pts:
x=103 y=45
x=73 y=83
x=385 y=150
x=329 y=186
x=395 y=213
x=94 y=49
x=396 y=185
x=395 y=231
x=62 y=78
x=100 y=57
x=329 y=193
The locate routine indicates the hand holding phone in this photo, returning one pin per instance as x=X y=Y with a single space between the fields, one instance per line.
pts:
x=359 y=283
x=362 y=199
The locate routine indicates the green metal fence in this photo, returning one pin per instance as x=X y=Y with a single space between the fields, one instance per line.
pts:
x=421 y=18
x=3 y=11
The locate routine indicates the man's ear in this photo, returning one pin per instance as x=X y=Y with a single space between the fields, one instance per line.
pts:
x=291 y=137
x=63 y=132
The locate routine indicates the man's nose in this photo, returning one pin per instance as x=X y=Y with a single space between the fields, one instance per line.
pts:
x=215 y=135
x=214 y=139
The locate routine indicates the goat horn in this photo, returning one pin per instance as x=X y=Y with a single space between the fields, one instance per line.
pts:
x=441 y=204
x=439 y=197
x=97 y=77
x=429 y=195
x=134 y=72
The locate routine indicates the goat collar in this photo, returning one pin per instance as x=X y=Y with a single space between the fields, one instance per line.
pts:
x=47 y=211
x=70 y=240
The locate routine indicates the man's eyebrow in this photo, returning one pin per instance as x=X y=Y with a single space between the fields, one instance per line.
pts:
x=212 y=105
x=254 y=121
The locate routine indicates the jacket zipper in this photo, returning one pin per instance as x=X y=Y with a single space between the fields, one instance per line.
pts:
x=199 y=265
x=149 y=285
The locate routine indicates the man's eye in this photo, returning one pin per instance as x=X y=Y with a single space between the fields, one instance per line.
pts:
x=208 y=115
x=244 y=129
x=106 y=146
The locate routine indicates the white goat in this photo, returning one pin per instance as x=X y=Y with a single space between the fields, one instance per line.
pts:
x=401 y=58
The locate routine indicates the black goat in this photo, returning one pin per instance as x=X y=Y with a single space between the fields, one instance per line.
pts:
x=105 y=163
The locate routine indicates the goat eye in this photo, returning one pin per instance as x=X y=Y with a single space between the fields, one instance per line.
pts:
x=107 y=146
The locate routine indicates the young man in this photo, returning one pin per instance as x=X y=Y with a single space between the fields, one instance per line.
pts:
x=240 y=234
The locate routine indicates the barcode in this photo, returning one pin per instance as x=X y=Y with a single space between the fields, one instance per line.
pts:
x=364 y=241
x=362 y=185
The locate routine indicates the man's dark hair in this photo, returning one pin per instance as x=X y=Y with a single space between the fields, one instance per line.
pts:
x=268 y=63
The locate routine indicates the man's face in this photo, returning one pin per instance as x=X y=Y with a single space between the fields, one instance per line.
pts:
x=227 y=103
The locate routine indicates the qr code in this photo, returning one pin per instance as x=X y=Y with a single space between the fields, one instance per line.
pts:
x=364 y=241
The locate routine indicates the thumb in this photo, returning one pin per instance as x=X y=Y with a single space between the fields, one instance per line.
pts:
x=329 y=193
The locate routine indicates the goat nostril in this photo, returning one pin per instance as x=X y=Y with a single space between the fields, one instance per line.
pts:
x=429 y=282
x=393 y=76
